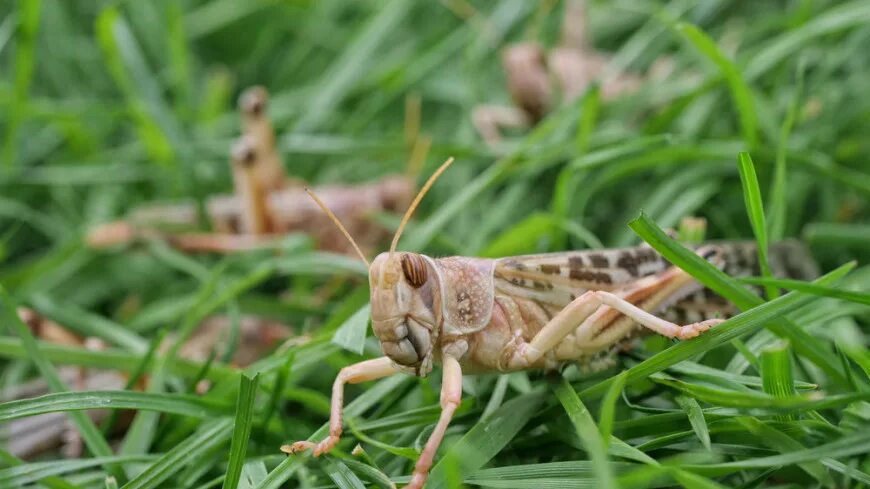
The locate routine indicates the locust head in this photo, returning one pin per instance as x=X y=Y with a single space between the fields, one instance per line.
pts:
x=528 y=80
x=405 y=296
x=406 y=309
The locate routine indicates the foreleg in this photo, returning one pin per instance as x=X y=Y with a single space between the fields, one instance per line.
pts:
x=353 y=374
x=451 y=396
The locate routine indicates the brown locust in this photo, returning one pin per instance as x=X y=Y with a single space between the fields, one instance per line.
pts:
x=266 y=203
x=539 y=78
x=537 y=311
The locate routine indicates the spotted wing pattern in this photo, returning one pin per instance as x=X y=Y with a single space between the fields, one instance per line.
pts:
x=556 y=279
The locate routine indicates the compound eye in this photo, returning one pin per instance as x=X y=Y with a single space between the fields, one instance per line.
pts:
x=414 y=268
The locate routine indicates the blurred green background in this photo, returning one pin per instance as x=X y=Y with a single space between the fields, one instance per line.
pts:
x=109 y=105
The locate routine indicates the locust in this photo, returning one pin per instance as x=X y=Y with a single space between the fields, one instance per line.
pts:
x=538 y=78
x=267 y=203
x=476 y=315
x=33 y=436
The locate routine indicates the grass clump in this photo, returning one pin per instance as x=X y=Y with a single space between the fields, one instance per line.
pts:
x=112 y=105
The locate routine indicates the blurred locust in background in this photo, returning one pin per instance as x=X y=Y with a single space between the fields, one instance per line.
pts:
x=538 y=80
x=266 y=203
x=537 y=311
x=32 y=436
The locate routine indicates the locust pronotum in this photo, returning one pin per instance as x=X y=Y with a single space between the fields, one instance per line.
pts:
x=536 y=311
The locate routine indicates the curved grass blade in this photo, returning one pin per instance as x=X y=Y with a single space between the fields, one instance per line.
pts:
x=286 y=469
x=778 y=205
x=783 y=443
x=608 y=408
x=744 y=299
x=693 y=481
x=352 y=334
x=90 y=324
x=337 y=80
x=241 y=429
x=592 y=440
x=852 y=444
x=548 y=475
x=486 y=438
x=855 y=235
x=25 y=62
x=735 y=327
x=841 y=17
x=716 y=376
x=343 y=477
x=696 y=418
x=755 y=210
x=112 y=359
x=32 y=472
x=91 y=435
x=740 y=91
x=819 y=290
x=759 y=400
x=185 y=405
x=187 y=452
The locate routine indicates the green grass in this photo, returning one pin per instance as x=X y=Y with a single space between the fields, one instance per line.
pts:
x=761 y=129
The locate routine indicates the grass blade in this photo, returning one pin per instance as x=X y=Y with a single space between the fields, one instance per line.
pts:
x=735 y=327
x=696 y=419
x=352 y=334
x=608 y=408
x=592 y=440
x=35 y=471
x=755 y=210
x=758 y=400
x=809 y=288
x=288 y=466
x=25 y=60
x=777 y=373
x=241 y=430
x=77 y=401
x=486 y=438
x=91 y=435
x=338 y=79
x=732 y=290
x=778 y=204
x=740 y=91
x=773 y=438
x=343 y=477
x=187 y=452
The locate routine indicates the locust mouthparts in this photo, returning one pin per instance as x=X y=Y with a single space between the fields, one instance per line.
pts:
x=412 y=346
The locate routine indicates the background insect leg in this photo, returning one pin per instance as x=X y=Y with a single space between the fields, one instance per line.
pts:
x=253 y=197
x=488 y=119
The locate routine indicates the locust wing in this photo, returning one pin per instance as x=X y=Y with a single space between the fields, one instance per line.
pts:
x=558 y=278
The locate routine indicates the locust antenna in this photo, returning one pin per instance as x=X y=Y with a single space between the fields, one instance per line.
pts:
x=339 y=225
x=416 y=202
